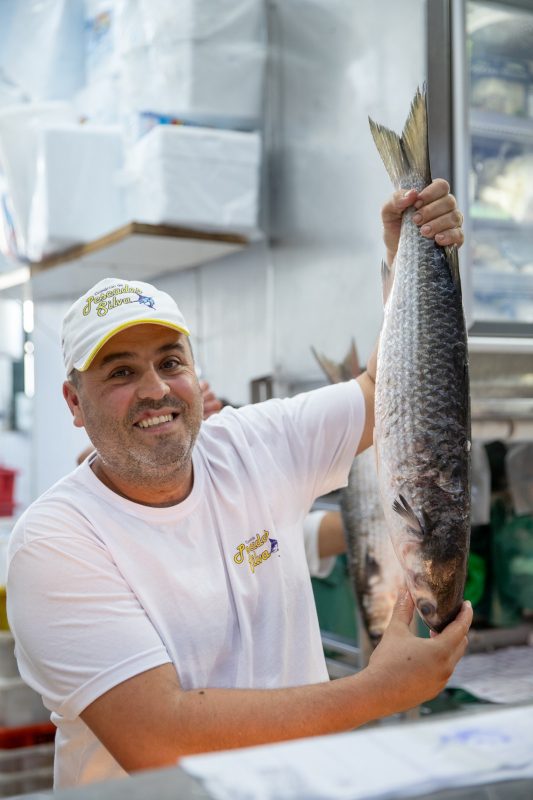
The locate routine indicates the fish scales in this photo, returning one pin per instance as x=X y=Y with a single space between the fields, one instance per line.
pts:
x=422 y=398
x=375 y=573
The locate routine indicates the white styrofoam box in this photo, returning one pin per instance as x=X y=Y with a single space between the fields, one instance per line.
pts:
x=197 y=177
x=42 y=47
x=167 y=22
x=77 y=195
x=99 y=38
x=19 y=140
x=198 y=82
x=8 y=662
x=20 y=704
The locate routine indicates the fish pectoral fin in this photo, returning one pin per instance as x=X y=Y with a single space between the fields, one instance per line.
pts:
x=452 y=257
x=404 y=510
x=387 y=278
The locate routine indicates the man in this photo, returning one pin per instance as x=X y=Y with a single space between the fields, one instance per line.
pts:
x=159 y=595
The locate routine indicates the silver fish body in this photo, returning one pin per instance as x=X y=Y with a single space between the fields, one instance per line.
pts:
x=422 y=427
x=375 y=573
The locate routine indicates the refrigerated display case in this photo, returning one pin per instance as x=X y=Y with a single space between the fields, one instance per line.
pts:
x=480 y=76
x=499 y=58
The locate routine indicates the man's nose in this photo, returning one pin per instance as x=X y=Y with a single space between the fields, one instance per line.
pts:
x=152 y=385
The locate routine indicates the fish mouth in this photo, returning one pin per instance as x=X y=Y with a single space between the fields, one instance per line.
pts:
x=432 y=617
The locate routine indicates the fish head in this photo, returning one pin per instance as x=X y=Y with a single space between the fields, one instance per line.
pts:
x=436 y=587
x=434 y=560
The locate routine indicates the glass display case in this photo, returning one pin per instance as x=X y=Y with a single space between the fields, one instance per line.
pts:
x=499 y=65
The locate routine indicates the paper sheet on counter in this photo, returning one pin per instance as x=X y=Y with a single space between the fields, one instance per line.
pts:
x=389 y=761
x=503 y=676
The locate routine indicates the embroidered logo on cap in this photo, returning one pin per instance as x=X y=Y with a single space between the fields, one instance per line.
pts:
x=108 y=299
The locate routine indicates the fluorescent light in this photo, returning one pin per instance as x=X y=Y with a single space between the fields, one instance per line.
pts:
x=29 y=375
x=27 y=316
x=14 y=278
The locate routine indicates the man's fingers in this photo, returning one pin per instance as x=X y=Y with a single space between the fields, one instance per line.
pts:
x=437 y=188
x=403 y=608
x=393 y=209
x=457 y=630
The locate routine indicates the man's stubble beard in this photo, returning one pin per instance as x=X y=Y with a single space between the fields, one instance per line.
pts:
x=151 y=466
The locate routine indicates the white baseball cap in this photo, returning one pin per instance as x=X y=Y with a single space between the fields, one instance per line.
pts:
x=112 y=305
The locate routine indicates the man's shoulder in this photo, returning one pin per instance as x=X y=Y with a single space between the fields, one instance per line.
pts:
x=56 y=508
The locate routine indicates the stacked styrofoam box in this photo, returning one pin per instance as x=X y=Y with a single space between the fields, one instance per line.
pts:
x=19 y=141
x=77 y=197
x=199 y=60
x=195 y=177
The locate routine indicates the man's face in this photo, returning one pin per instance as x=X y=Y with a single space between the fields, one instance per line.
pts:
x=140 y=403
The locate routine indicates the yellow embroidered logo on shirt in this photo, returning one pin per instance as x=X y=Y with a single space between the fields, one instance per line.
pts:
x=250 y=549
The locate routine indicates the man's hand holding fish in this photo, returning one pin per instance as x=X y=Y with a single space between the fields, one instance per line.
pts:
x=437 y=216
x=406 y=670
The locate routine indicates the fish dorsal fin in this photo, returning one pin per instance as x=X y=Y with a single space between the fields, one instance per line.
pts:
x=402 y=507
x=387 y=279
x=452 y=255
x=347 y=369
x=406 y=157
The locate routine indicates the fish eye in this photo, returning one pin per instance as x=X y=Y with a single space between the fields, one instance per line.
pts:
x=426 y=608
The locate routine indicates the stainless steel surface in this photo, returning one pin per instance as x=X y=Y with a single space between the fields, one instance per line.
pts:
x=481 y=641
x=502 y=395
x=343 y=657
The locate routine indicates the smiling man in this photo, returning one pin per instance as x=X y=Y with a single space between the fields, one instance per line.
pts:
x=159 y=595
x=139 y=401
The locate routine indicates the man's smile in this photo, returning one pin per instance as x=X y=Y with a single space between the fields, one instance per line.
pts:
x=159 y=421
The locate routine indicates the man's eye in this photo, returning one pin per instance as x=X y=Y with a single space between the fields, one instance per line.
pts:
x=171 y=363
x=123 y=372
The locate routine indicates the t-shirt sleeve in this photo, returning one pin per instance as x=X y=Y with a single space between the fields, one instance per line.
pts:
x=318 y=567
x=78 y=626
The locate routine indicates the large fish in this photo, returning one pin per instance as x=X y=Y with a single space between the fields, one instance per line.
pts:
x=375 y=573
x=422 y=428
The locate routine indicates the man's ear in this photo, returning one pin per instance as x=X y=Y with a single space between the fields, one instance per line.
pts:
x=70 y=393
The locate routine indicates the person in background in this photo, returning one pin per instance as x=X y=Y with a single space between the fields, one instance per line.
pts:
x=159 y=595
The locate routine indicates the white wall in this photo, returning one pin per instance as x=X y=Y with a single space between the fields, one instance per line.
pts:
x=56 y=442
x=317 y=282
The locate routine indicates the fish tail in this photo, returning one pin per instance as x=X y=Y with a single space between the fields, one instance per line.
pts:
x=343 y=371
x=406 y=157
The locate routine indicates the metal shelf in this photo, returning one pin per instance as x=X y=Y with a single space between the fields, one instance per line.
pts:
x=490 y=125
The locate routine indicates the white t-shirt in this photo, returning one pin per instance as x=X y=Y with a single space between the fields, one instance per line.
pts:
x=101 y=588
